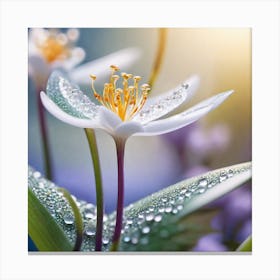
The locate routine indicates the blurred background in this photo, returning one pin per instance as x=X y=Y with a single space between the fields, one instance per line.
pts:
x=222 y=59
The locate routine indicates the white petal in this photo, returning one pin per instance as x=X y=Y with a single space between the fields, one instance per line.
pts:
x=173 y=123
x=185 y=118
x=101 y=66
x=215 y=101
x=61 y=115
x=69 y=97
x=109 y=119
x=159 y=106
x=77 y=55
x=126 y=129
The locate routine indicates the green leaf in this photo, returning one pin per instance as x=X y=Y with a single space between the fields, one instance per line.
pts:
x=246 y=245
x=43 y=229
x=172 y=219
x=160 y=221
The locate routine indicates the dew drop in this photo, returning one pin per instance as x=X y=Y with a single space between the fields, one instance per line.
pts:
x=149 y=217
x=200 y=190
x=145 y=230
x=90 y=215
x=188 y=194
x=36 y=174
x=90 y=229
x=168 y=209
x=230 y=173
x=181 y=198
x=140 y=221
x=202 y=182
x=126 y=239
x=105 y=240
x=134 y=240
x=223 y=176
x=180 y=207
x=68 y=219
x=183 y=191
x=158 y=218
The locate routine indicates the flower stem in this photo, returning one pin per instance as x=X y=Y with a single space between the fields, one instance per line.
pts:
x=159 y=56
x=44 y=136
x=120 y=145
x=98 y=187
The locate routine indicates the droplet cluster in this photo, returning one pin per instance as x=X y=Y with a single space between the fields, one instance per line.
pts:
x=53 y=199
x=156 y=219
x=163 y=105
x=69 y=98
x=77 y=99
x=144 y=222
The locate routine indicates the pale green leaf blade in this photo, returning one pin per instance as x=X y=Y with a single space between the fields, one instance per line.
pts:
x=155 y=222
x=43 y=229
x=246 y=245
x=169 y=220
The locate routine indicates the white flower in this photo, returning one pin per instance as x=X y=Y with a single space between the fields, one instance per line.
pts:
x=125 y=112
x=50 y=50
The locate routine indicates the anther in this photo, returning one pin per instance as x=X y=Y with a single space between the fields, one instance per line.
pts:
x=114 y=67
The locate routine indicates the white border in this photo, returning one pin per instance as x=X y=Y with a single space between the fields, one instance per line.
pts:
x=262 y=16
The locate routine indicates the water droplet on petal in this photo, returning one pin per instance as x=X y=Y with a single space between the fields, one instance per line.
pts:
x=223 y=176
x=203 y=182
x=230 y=173
x=200 y=190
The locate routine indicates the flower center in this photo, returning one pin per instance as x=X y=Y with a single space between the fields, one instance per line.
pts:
x=126 y=101
x=53 y=48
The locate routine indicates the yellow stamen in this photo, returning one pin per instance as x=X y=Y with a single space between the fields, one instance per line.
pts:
x=53 y=48
x=125 y=101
